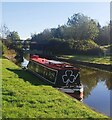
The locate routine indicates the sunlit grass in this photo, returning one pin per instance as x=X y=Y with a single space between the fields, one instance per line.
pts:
x=24 y=96
x=91 y=59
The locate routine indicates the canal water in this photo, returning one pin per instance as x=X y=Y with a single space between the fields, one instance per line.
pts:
x=97 y=88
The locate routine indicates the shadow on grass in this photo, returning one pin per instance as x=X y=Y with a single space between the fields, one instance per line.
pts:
x=28 y=76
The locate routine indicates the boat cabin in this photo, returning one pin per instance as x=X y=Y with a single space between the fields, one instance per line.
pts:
x=55 y=72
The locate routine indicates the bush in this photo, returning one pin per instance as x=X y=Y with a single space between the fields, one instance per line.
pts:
x=58 y=46
x=86 y=47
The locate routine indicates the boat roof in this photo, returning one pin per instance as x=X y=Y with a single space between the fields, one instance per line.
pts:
x=53 y=64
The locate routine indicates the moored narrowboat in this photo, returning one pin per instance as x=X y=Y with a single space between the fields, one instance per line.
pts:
x=59 y=74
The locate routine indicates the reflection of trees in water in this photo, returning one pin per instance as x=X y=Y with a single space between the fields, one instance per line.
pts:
x=91 y=77
x=109 y=81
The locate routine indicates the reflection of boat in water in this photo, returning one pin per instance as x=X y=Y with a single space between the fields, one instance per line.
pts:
x=77 y=93
x=59 y=74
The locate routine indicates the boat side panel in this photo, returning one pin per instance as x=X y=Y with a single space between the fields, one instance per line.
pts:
x=48 y=74
x=68 y=78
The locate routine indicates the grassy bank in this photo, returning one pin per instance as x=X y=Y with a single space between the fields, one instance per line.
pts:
x=24 y=96
x=90 y=59
x=8 y=53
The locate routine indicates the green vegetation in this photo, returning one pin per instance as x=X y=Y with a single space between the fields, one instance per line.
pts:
x=72 y=47
x=24 y=96
x=80 y=35
x=90 y=59
x=8 y=53
x=4 y=48
x=85 y=47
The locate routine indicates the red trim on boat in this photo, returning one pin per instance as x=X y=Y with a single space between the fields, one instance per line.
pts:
x=53 y=64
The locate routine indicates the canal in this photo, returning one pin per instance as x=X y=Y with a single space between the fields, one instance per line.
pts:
x=97 y=88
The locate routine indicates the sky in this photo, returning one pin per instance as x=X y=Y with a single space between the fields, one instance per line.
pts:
x=33 y=17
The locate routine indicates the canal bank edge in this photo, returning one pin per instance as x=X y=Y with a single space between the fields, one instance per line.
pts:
x=93 y=65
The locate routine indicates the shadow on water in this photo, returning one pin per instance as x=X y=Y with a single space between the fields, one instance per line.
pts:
x=27 y=76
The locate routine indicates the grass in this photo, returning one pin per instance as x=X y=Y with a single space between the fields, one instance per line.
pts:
x=90 y=59
x=9 y=53
x=24 y=96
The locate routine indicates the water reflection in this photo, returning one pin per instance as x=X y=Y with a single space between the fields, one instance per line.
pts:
x=97 y=86
x=91 y=77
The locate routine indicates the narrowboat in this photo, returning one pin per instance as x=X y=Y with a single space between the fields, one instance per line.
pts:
x=62 y=75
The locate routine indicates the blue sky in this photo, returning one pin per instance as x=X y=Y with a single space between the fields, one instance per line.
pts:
x=34 y=17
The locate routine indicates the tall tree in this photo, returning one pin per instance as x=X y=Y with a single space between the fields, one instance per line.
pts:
x=83 y=26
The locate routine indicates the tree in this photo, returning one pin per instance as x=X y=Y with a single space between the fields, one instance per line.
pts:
x=87 y=47
x=57 y=32
x=42 y=37
x=77 y=19
x=4 y=31
x=13 y=36
x=12 y=39
x=104 y=36
x=83 y=26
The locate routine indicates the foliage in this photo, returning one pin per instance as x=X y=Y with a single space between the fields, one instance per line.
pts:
x=69 y=38
x=78 y=27
x=85 y=47
x=81 y=35
x=42 y=37
x=8 y=53
x=13 y=36
x=58 y=46
x=103 y=36
x=84 y=27
x=3 y=47
x=24 y=96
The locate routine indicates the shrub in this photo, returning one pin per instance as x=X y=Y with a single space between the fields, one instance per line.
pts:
x=87 y=47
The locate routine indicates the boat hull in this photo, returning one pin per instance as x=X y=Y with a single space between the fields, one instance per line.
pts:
x=62 y=77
